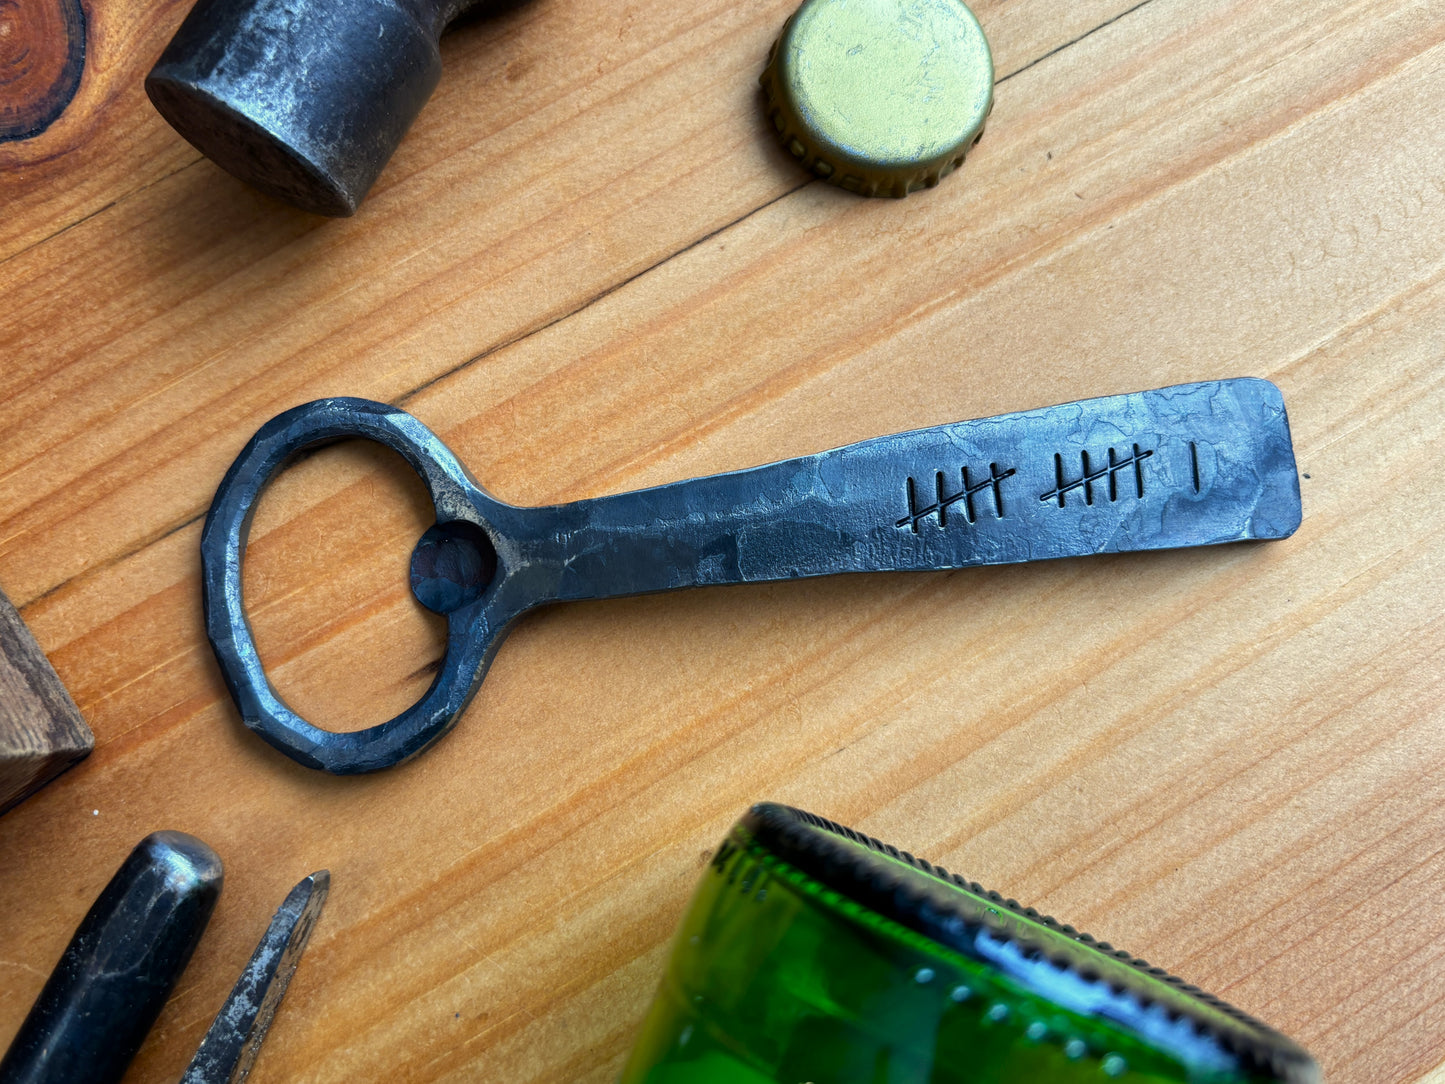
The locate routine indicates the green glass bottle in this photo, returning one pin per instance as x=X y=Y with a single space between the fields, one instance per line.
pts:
x=812 y=954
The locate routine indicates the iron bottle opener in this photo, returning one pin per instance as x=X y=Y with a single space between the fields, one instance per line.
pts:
x=1190 y=465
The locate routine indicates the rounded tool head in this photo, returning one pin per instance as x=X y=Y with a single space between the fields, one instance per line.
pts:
x=881 y=97
x=304 y=99
x=120 y=967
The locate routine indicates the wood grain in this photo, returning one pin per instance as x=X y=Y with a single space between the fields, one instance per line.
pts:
x=589 y=268
x=42 y=56
x=41 y=732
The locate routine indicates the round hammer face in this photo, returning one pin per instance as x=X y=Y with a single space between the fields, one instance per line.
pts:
x=304 y=99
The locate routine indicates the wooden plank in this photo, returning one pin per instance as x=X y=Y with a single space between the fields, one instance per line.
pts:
x=41 y=732
x=209 y=294
x=109 y=144
x=1228 y=761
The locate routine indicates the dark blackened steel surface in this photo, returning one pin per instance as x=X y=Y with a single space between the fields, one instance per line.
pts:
x=1191 y=465
x=230 y=1047
x=304 y=99
x=120 y=966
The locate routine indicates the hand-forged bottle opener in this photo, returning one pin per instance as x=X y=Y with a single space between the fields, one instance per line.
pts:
x=1191 y=465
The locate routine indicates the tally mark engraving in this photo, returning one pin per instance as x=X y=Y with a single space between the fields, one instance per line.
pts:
x=1134 y=463
x=943 y=500
x=1194 y=463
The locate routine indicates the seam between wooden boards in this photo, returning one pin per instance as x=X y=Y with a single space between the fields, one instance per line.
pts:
x=513 y=340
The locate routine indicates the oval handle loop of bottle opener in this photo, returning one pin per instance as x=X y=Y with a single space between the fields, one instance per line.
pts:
x=1190 y=465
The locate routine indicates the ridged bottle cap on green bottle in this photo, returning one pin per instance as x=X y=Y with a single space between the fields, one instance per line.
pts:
x=881 y=97
x=812 y=952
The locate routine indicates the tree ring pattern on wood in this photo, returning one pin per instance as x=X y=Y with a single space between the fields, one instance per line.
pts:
x=42 y=56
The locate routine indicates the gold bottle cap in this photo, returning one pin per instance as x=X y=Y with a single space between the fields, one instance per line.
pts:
x=880 y=96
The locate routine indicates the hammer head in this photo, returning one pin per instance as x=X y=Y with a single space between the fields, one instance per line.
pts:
x=304 y=99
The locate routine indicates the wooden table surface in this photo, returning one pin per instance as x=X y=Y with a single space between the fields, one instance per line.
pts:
x=589 y=268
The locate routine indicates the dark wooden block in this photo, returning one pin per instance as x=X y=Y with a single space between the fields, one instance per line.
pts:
x=41 y=731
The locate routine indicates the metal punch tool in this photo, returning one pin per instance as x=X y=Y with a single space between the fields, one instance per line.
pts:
x=1190 y=465
x=126 y=957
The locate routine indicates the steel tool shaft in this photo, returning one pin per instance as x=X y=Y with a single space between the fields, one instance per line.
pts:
x=120 y=966
x=126 y=957
x=234 y=1040
x=1191 y=465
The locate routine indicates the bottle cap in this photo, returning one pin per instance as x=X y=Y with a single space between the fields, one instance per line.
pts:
x=881 y=97
x=813 y=952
